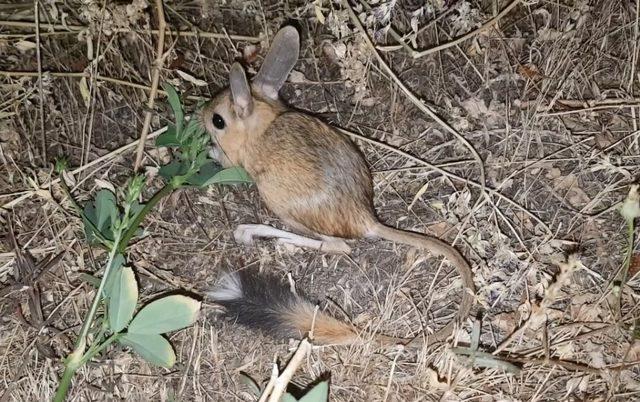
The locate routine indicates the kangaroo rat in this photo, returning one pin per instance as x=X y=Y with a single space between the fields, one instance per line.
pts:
x=314 y=179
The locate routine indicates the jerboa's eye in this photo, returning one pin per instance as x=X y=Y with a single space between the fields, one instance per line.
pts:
x=218 y=121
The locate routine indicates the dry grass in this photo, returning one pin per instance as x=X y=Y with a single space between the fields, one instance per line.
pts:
x=547 y=97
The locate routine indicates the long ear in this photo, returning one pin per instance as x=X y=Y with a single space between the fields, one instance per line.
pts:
x=240 y=91
x=279 y=61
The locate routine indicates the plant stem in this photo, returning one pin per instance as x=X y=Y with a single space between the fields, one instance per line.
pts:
x=73 y=361
x=65 y=382
x=95 y=350
x=122 y=244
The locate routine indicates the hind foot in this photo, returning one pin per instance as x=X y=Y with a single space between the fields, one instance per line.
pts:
x=246 y=234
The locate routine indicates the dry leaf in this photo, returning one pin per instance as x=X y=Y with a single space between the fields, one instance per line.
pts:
x=634 y=265
x=529 y=71
x=318 y=11
x=24 y=45
x=103 y=184
x=297 y=77
x=84 y=92
x=506 y=322
x=580 y=384
x=492 y=114
x=419 y=194
x=434 y=380
x=604 y=139
x=250 y=53
x=190 y=78
x=69 y=178
x=573 y=193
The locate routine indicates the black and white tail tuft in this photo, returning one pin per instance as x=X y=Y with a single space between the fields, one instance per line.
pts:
x=263 y=302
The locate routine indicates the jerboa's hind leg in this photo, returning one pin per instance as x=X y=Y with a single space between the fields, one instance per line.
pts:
x=246 y=234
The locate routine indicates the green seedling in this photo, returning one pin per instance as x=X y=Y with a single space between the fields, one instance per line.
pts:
x=112 y=221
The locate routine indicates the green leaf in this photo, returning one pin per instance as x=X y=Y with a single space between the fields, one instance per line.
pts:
x=116 y=266
x=152 y=347
x=168 y=138
x=123 y=297
x=206 y=173
x=251 y=384
x=176 y=105
x=288 y=398
x=167 y=314
x=62 y=162
x=89 y=219
x=172 y=169
x=136 y=208
x=99 y=216
x=319 y=393
x=106 y=209
x=232 y=175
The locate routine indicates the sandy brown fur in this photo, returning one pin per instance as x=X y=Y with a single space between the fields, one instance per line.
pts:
x=239 y=132
x=324 y=189
x=309 y=174
x=326 y=329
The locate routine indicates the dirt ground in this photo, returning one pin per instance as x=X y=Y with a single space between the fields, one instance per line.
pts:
x=537 y=146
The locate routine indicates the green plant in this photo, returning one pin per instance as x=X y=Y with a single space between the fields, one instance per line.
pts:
x=111 y=221
x=317 y=393
x=275 y=389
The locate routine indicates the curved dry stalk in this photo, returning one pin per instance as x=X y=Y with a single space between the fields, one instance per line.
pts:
x=446 y=173
x=160 y=56
x=83 y=74
x=416 y=54
x=72 y=29
x=40 y=85
x=411 y=96
x=280 y=384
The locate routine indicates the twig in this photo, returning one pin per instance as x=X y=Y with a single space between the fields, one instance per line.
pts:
x=418 y=103
x=391 y=372
x=77 y=28
x=272 y=382
x=554 y=362
x=634 y=61
x=40 y=84
x=82 y=168
x=448 y=174
x=417 y=54
x=538 y=312
x=154 y=84
x=81 y=74
x=577 y=103
x=414 y=99
x=629 y=104
x=283 y=380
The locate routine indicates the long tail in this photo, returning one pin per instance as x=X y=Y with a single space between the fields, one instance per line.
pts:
x=263 y=302
x=438 y=247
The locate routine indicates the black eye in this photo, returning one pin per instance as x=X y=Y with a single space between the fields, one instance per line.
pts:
x=218 y=121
